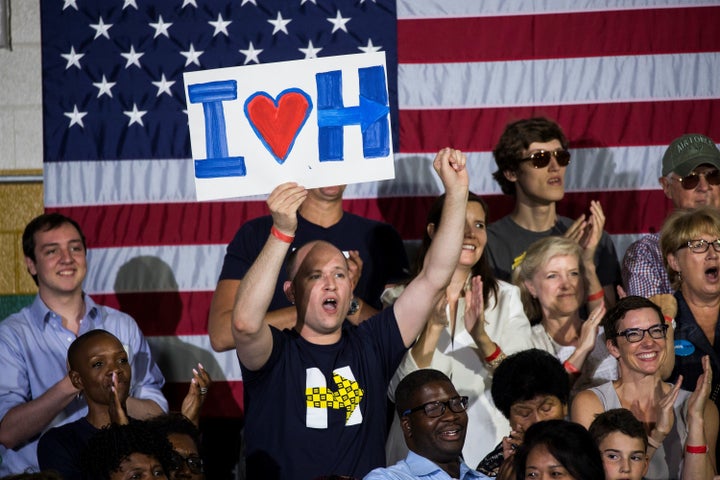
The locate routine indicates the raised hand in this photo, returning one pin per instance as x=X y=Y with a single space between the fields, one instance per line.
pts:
x=475 y=308
x=664 y=413
x=355 y=265
x=283 y=203
x=450 y=166
x=590 y=328
x=116 y=408
x=193 y=401
x=696 y=402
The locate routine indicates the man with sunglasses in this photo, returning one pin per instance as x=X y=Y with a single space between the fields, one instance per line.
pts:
x=690 y=179
x=532 y=157
x=434 y=422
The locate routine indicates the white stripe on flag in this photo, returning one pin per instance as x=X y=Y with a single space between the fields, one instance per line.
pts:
x=534 y=82
x=417 y=9
x=619 y=168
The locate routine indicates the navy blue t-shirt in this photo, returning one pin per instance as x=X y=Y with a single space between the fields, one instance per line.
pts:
x=380 y=246
x=315 y=410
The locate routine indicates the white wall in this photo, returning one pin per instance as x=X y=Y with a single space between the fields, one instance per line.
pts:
x=21 y=91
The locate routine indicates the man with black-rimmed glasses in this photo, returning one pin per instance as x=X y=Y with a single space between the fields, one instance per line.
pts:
x=434 y=421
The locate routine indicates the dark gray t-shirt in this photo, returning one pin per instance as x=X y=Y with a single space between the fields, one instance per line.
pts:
x=507 y=241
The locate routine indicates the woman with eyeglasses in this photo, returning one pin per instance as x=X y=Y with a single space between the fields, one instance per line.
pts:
x=478 y=321
x=681 y=426
x=690 y=244
x=554 y=281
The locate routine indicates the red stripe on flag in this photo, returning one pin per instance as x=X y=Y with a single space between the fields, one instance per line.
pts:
x=163 y=313
x=587 y=125
x=562 y=35
x=224 y=399
x=186 y=222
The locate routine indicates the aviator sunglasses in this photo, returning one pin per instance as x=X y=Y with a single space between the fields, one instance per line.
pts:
x=541 y=158
x=689 y=182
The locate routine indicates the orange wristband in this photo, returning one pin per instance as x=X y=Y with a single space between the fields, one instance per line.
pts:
x=596 y=296
x=281 y=236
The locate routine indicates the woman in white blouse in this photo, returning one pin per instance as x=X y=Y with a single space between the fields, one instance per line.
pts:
x=554 y=280
x=477 y=322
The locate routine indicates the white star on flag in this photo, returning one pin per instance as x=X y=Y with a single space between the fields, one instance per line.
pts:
x=101 y=29
x=370 y=48
x=248 y=1
x=130 y=3
x=251 y=54
x=161 y=28
x=220 y=26
x=302 y=2
x=135 y=115
x=192 y=56
x=104 y=87
x=279 y=24
x=189 y=2
x=70 y=3
x=339 y=22
x=133 y=57
x=163 y=86
x=72 y=58
x=310 y=51
x=75 y=117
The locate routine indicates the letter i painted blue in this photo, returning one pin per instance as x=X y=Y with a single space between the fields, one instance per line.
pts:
x=217 y=164
x=371 y=114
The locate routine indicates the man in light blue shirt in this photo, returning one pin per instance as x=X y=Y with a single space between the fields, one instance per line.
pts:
x=35 y=390
x=434 y=422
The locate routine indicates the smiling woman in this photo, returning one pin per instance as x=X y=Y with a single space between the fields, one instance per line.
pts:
x=681 y=426
x=553 y=281
x=475 y=325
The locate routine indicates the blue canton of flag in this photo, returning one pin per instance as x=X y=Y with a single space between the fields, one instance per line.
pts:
x=112 y=70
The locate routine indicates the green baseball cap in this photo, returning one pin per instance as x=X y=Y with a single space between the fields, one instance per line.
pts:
x=688 y=152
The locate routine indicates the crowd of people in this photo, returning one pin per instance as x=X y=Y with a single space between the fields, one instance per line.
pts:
x=511 y=349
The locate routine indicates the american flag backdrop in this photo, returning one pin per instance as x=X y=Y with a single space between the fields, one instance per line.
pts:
x=623 y=78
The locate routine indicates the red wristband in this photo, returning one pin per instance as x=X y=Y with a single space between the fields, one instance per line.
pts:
x=596 y=296
x=570 y=368
x=494 y=354
x=281 y=236
x=696 y=449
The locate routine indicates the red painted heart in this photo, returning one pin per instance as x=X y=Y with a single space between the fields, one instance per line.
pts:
x=278 y=122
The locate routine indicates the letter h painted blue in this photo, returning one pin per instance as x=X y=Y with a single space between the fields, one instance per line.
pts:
x=371 y=114
x=217 y=164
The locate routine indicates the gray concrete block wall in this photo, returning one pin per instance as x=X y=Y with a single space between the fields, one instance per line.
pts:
x=20 y=92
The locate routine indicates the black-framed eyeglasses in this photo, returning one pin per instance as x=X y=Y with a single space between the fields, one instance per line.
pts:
x=437 y=408
x=689 y=182
x=634 y=335
x=541 y=158
x=193 y=462
x=701 y=246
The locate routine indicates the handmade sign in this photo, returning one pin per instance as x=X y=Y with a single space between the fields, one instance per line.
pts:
x=317 y=122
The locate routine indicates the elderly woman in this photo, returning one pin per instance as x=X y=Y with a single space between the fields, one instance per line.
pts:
x=477 y=322
x=682 y=427
x=553 y=283
x=690 y=243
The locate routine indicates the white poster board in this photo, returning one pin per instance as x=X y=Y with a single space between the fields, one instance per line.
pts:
x=317 y=122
